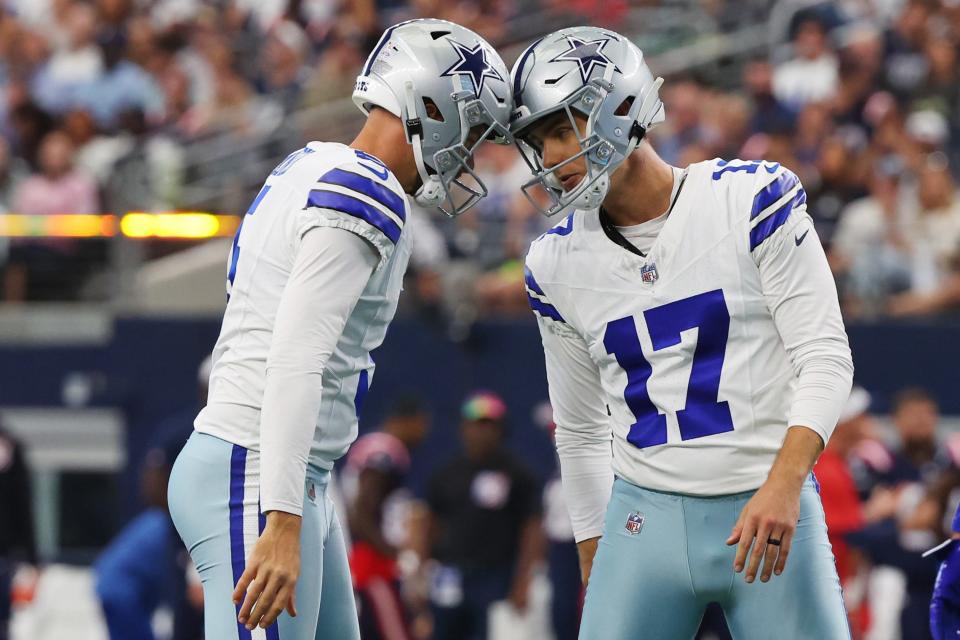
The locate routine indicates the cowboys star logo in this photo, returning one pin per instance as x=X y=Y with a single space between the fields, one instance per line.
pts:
x=472 y=63
x=588 y=54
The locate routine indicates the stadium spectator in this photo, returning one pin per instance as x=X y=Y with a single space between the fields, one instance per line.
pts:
x=50 y=268
x=283 y=58
x=896 y=481
x=17 y=544
x=378 y=515
x=934 y=235
x=78 y=62
x=12 y=172
x=838 y=491
x=145 y=565
x=485 y=525
x=58 y=188
x=769 y=115
x=870 y=254
x=563 y=563
x=811 y=75
x=122 y=85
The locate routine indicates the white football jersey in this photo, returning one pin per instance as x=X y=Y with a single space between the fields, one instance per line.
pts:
x=698 y=355
x=321 y=185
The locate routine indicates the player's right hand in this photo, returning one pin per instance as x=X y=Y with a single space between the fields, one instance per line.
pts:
x=268 y=584
x=587 y=549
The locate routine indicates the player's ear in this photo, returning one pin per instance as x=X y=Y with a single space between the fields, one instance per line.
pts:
x=433 y=111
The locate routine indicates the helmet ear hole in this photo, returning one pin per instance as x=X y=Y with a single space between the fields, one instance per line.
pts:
x=625 y=106
x=432 y=110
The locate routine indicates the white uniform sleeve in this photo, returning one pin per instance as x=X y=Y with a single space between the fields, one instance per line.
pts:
x=355 y=197
x=802 y=296
x=583 y=428
x=330 y=271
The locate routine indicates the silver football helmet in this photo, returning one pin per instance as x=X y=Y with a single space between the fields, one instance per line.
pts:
x=428 y=62
x=600 y=75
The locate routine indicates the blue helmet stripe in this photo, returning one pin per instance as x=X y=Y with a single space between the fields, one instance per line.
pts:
x=519 y=72
x=773 y=192
x=374 y=190
x=775 y=220
x=383 y=41
x=356 y=208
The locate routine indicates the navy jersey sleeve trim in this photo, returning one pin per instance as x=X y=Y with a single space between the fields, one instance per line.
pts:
x=539 y=306
x=780 y=187
x=358 y=209
x=775 y=220
x=368 y=187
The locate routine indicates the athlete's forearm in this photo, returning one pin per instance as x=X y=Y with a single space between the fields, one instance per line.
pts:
x=586 y=550
x=330 y=271
x=799 y=452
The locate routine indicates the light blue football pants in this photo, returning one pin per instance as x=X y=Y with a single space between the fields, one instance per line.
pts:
x=655 y=583
x=214 y=501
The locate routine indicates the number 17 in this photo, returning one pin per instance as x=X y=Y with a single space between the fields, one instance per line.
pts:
x=704 y=415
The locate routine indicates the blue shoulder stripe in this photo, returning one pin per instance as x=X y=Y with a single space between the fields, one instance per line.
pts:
x=545 y=310
x=531 y=281
x=368 y=187
x=775 y=220
x=356 y=208
x=773 y=192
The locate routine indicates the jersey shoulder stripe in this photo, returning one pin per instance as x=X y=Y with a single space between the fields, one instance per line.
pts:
x=773 y=205
x=780 y=186
x=368 y=187
x=538 y=299
x=359 y=206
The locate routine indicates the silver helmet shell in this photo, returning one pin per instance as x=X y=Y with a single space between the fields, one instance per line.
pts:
x=434 y=62
x=600 y=75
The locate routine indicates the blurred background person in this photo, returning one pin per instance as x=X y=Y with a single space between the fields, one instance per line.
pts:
x=485 y=525
x=145 y=566
x=17 y=542
x=378 y=508
x=841 y=501
x=895 y=481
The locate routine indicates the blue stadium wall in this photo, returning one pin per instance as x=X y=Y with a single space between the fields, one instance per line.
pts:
x=149 y=371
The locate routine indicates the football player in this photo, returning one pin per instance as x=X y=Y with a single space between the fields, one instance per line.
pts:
x=945 y=605
x=313 y=281
x=688 y=315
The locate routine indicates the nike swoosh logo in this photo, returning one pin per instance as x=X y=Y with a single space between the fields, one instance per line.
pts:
x=380 y=173
x=800 y=239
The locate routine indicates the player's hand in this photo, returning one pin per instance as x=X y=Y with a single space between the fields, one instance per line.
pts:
x=587 y=549
x=771 y=514
x=270 y=579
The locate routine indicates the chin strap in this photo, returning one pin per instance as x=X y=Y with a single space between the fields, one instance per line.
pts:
x=430 y=193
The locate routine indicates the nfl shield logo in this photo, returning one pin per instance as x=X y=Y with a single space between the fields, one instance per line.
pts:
x=634 y=523
x=648 y=273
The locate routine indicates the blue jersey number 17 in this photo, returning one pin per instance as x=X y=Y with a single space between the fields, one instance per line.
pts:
x=703 y=415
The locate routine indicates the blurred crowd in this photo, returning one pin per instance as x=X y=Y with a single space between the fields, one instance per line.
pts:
x=120 y=105
x=863 y=104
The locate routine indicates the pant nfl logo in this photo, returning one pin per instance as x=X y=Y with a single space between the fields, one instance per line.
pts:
x=634 y=523
x=648 y=273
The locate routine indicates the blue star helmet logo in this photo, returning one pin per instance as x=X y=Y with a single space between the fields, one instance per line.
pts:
x=588 y=54
x=473 y=63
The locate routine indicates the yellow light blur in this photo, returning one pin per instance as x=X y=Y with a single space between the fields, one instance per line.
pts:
x=187 y=225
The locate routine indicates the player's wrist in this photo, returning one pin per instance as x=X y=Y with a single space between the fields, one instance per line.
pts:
x=283 y=521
